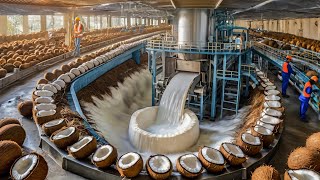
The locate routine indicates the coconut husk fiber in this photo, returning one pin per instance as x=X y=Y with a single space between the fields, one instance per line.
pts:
x=103 y=84
x=6 y=121
x=25 y=108
x=313 y=141
x=13 y=132
x=9 y=152
x=265 y=173
x=304 y=158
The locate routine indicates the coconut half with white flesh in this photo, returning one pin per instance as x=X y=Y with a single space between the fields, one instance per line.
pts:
x=29 y=167
x=65 y=137
x=44 y=100
x=276 y=122
x=272 y=112
x=272 y=104
x=268 y=126
x=270 y=88
x=130 y=165
x=263 y=85
x=271 y=92
x=104 y=156
x=301 y=174
x=83 y=148
x=212 y=159
x=268 y=83
x=52 y=126
x=265 y=135
x=159 y=167
x=233 y=154
x=272 y=98
x=189 y=166
x=249 y=144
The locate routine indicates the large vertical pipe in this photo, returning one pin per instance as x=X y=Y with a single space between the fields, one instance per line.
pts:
x=4 y=25
x=43 y=22
x=25 y=24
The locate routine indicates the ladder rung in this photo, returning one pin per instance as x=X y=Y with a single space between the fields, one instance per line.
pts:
x=229 y=109
x=230 y=102
x=230 y=94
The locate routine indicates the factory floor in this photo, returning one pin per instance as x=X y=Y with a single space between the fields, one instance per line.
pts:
x=294 y=135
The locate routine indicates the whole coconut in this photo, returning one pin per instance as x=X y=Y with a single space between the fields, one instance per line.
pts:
x=42 y=81
x=9 y=67
x=265 y=173
x=9 y=152
x=50 y=76
x=25 y=108
x=3 y=73
x=13 y=132
x=7 y=121
x=304 y=158
x=313 y=141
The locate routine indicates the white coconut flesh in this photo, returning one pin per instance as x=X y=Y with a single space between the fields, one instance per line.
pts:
x=272 y=98
x=268 y=126
x=39 y=86
x=24 y=166
x=212 y=155
x=263 y=85
x=43 y=93
x=303 y=174
x=250 y=139
x=272 y=104
x=45 y=106
x=272 y=112
x=44 y=113
x=128 y=160
x=64 y=133
x=272 y=92
x=102 y=153
x=233 y=149
x=159 y=164
x=270 y=120
x=61 y=83
x=191 y=163
x=262 y=130
x=53 y=123
x=80 y=144
x=270 y=88
x=269 y=84
x=44 y=100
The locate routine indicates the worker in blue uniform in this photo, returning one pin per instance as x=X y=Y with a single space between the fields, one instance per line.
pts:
x=286 y=72
x=305 y=97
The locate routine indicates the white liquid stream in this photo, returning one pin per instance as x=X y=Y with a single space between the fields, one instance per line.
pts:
x=112 y=117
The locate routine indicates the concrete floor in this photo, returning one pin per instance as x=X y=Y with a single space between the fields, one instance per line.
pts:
x=294 y=135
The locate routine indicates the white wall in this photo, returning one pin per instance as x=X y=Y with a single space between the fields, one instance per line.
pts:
x=306 y=27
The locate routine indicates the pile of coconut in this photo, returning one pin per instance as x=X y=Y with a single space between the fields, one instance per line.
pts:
x=16 y=163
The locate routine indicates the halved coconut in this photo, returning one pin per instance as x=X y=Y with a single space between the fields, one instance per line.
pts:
x=43 y=116
x=9 y=152
x=269 y=83
x=83 y=148
x=189 y=166
x=265 y=135
x=52 y=126
x=272 y=104
x=270 y=88
x=301 y=174
x=268 y=126
x=159 y=167
x=75 y=71
x=44 y=100
x=212 y=159
x=276 y=122
x=263 y=85
x=71 y=75
x=50 y=87
x=272 y=98
x=272 y=92
x=13 y=132
x=233 y=154
x=249 y=144
x=25 y=108
x=265 y=173
x=264 y=79
x=104 y=156
x=29 y=167
x=6 y=121
x=60 y=82
x=130 y=165
x=65 y=137
x=272 y=112
x=45 y=106
x=81 y=69
x=43 y=93
x=65 y=78
x=313 y=141
x=303 y=157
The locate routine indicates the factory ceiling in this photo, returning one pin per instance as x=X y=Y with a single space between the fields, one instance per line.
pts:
x=242 y=9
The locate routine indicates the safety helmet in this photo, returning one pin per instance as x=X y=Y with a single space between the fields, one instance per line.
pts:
x=77 y=19
x=314 y=78
x=289 y=57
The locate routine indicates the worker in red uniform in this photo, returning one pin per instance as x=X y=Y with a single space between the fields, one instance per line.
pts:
x=305 y=97
x=286 y=72
x=78 y=33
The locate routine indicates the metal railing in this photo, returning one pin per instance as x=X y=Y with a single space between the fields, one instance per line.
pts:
x=251 y=69
x=228 y=74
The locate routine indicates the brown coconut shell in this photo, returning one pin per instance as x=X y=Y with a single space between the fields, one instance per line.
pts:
x=9 y=67
x=49 y=76
x=111 y=159
x=248 y=149
x=213 y=168
x=266 y=139
x=65 y=142
x=313 y=141
x=42 y=81
x=65 y=68
x=132 y=171
x=57 y=72
x=13 y=132
x=7 y=121
x=49 y=130
x=9 y=152
x=185 y=172
x=265 y=173
x=45 y=119
x=158 y=176
x=40 y=170
x=232 y=159
x=3 y=73
x=25 y=108
x=304 y=158
x=85 y=151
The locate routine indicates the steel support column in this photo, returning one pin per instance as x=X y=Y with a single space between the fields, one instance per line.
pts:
x=214 y=87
